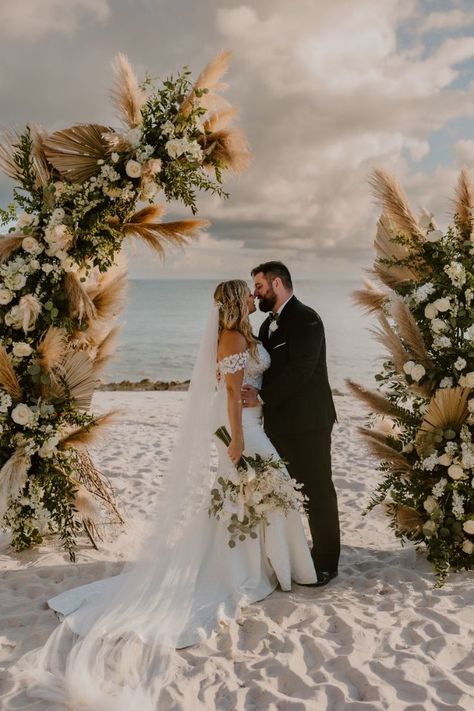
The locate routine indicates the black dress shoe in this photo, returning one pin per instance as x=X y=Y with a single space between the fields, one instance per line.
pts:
x=324 y=577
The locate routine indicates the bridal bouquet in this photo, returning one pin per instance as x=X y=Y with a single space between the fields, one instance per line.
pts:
x=256 y=486
x=422 y=427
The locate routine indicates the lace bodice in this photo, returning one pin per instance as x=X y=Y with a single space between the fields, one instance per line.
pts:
x=253 y=368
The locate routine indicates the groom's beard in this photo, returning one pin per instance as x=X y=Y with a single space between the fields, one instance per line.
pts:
x=267 y=302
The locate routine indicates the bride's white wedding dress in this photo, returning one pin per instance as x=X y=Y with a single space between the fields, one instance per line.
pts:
x=116 y=648
x=227 y=578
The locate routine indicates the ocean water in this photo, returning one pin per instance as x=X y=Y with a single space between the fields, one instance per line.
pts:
x=164 y=319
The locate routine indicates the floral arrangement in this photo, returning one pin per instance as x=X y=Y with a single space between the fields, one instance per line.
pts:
x=62 y=279
x=256 y=486
x=421 y=428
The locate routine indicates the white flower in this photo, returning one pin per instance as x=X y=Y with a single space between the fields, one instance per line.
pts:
x=429 y=528
x=438 y=325
x=431 y=311
x=468 y=526
x=430 y=462
x=408 y=366
x=114 y=157
x=29 y=309
x=430 y=504
x=167 y=129
x=273 y=326
x=5 y=296
x=456 y=472
x=422 y=292
x=16 y=281
x=470 y=332
x=442 y=304
x=467 y=380
x=417 y=372
x=133 y=169
x=458 y=505
x=27 y=220
x=149 y=190
x=47 y=268
x=470 y=404
x=57 y=216
x=48 y=447
x=153 y=166
x=408 y=448
x=445 y=459
x=434 y=236
x=438 y=488
x=468 y=547
x=446 y=383
x=175 y=147
x=58 y=188
x=22 y=350
x=134 y=136
x=442 y=342
x=426 y=220
x=456 y=273
x=31 y=245
x=460 y=364
x=58 y=237
x=22 y=414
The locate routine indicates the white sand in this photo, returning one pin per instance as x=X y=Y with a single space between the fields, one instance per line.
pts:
x=379 y=637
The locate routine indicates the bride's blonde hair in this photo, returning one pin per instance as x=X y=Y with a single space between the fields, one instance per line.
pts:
x=231 y=298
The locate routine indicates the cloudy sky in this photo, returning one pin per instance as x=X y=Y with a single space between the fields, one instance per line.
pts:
x=326 y=90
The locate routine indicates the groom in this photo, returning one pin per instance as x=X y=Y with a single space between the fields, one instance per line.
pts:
x=298 y=408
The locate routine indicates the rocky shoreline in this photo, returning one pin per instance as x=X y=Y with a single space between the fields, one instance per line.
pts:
x=148 y=385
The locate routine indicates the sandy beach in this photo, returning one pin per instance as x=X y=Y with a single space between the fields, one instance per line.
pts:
x=379 y=637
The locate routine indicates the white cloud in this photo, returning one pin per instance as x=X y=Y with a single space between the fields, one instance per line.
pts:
x=33 y=18
x=464 y=150
x=449 y=20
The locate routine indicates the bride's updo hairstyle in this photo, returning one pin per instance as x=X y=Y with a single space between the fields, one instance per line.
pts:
x=231 y=299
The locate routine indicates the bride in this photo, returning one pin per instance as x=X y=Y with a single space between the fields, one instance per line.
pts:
x=116 y=646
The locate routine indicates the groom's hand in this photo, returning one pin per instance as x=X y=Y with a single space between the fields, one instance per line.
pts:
x=249 y=396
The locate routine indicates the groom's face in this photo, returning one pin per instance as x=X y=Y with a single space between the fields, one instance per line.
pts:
x=264 y=293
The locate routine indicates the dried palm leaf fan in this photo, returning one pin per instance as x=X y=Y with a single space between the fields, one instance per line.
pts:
x=75 y=152
x=75 y=378
x=407 y=519
x=143 y=225
x=447 y=410
x=8 y=146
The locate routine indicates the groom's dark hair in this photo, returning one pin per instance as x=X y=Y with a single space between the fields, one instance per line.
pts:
x=270 y=270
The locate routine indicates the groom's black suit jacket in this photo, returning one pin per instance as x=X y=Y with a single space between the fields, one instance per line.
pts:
x=296 y=393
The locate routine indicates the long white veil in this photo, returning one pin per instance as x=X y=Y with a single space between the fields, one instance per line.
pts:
x=124 y=655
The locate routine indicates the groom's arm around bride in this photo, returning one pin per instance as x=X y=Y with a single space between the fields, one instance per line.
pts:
x=297 y=402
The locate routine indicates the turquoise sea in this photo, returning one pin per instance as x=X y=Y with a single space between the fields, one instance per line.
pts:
x=163 y=321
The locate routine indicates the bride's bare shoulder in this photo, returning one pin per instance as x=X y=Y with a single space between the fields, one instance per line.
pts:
x=230 y=342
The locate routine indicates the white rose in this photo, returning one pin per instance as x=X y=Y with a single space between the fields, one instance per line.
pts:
x=455 y=471
x=468 y=547
x=408 y=448
x=460 y=364
x=27 y=220
x=48 y=447
x=5 y=296
x=22 y=350
x=175 y=147
x=468 y=526
x=445 y=460
x=467 y=380
x=408 y=366
x=430 y=504
x=154 y=166
x=22 y=414
x=47 y=268
x=431 y=311
x=417 y=372
x=133 y=169
x=442 y=304
x=30 y=245
x=114 y=157
x=434 y=236
x=437 y=325
x=58 y=237
x=429 y=528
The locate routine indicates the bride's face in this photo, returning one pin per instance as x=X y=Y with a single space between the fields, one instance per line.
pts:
x=250 y=301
